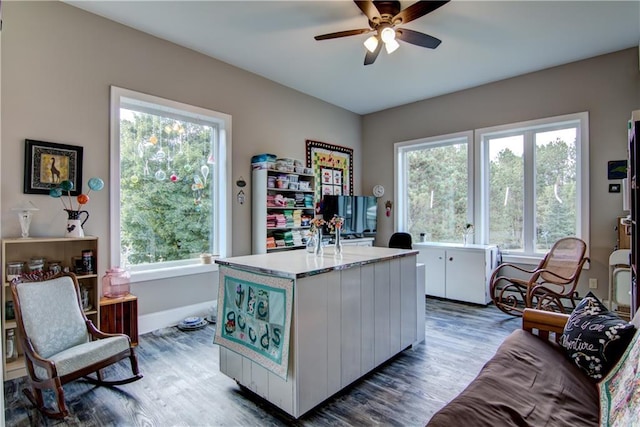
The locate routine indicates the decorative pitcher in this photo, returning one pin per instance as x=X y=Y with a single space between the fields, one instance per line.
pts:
x=75 y=223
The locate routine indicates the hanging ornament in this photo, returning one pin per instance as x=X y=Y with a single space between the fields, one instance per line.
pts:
x=173 y=177
x=241 y=197
x=211 y=160
x=187 y=168
x=134 y=179
x=160 y=175
x=153 y=140
x=204 y=169
x=160 y=155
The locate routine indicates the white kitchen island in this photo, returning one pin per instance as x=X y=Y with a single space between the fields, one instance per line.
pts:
x=350 y=314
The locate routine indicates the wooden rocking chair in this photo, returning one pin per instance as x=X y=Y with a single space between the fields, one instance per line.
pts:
x=59 y=343
x=555 y=278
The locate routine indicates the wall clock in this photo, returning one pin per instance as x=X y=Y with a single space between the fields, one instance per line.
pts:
x=378 y=190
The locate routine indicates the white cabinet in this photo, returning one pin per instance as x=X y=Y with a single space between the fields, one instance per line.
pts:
x=282 y=205
x=457 y=272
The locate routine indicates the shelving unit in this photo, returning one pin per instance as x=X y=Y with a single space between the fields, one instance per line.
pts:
x=269 y=200
x=60 y=249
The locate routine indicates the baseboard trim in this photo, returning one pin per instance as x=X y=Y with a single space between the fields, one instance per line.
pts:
x=163 y=319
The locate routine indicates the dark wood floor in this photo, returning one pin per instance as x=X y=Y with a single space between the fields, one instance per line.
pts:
x=183 y=387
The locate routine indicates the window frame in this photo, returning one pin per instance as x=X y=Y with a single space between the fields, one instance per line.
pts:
x=582 y=179
x=478 y=202
x=400 y=179
x=222 y=217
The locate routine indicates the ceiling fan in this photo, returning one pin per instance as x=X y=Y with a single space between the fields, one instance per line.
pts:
x=384 y=17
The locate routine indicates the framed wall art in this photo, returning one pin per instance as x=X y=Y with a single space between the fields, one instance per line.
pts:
x=47 y=164
x=332 y=167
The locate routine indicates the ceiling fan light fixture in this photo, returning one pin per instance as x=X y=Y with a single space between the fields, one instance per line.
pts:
x=391 y=46
x=371 y=43
x=387 y=35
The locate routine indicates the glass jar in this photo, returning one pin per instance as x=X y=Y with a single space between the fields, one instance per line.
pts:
x=11 y=348
x=115 y=283
x=55 y=267
x=14 y=269
x=36 y=265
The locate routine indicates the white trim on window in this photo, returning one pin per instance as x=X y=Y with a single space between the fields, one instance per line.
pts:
x=582 y=155
x=401 y=173
x=222 y=218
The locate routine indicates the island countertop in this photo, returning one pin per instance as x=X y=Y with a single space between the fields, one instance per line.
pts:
x=300 y=263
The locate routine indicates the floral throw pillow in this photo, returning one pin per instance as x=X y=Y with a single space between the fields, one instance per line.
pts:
x=595 y=338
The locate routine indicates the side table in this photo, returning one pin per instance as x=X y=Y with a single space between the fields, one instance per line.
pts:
x=120 y=316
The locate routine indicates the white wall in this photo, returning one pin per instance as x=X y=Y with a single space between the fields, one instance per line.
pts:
x=608 y=87
x=58 y=64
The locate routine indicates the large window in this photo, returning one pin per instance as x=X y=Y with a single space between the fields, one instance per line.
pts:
x=434 y=187
x=169 y=182
x=523 y=186
x=532 y=183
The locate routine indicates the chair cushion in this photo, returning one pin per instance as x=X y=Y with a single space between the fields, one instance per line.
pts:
x=51 y=315
x=83 y=355
x=595 y=338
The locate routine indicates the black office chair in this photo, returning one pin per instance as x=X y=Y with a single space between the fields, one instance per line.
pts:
x=400 y=241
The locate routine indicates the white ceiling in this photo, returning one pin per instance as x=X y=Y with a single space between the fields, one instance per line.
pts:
x=482 y=42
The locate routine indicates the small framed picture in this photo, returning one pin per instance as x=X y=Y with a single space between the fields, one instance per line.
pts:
x=617 y=169
x=46 y=164
x=614 y=188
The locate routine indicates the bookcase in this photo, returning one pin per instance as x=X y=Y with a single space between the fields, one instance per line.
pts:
x=65 y=251
x=282 y=206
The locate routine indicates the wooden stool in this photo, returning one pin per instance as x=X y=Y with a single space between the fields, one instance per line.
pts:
x=120 y=316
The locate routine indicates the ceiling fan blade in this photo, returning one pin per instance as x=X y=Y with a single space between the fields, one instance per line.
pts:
x=369 y=9
x=343 y=34
x=370 y=57
x=417 y=10
x=417 y=38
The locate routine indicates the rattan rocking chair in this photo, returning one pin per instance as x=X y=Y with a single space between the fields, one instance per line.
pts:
x=514 y=288
x=59 y=343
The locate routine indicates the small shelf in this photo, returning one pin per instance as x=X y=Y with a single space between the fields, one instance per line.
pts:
x=10 y=324
x=302 y=227
x=288 y=190
x=280 y=208
x=284 y=248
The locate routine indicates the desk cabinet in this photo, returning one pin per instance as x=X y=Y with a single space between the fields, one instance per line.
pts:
x=457 y=272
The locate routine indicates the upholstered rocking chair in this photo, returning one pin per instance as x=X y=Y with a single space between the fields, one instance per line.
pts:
x=514 y=288
x=59 y=343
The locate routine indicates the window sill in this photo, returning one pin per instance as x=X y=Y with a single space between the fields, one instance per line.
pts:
x=168 y=272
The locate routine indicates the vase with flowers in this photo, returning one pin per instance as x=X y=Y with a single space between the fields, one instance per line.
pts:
x=75 y=219
x=335 y=224
x=316 y=235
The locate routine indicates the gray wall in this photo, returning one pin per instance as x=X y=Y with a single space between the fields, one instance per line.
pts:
x=58 y=63
x=608 y=87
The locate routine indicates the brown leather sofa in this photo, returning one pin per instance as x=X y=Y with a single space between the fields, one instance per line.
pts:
x=528 y=382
